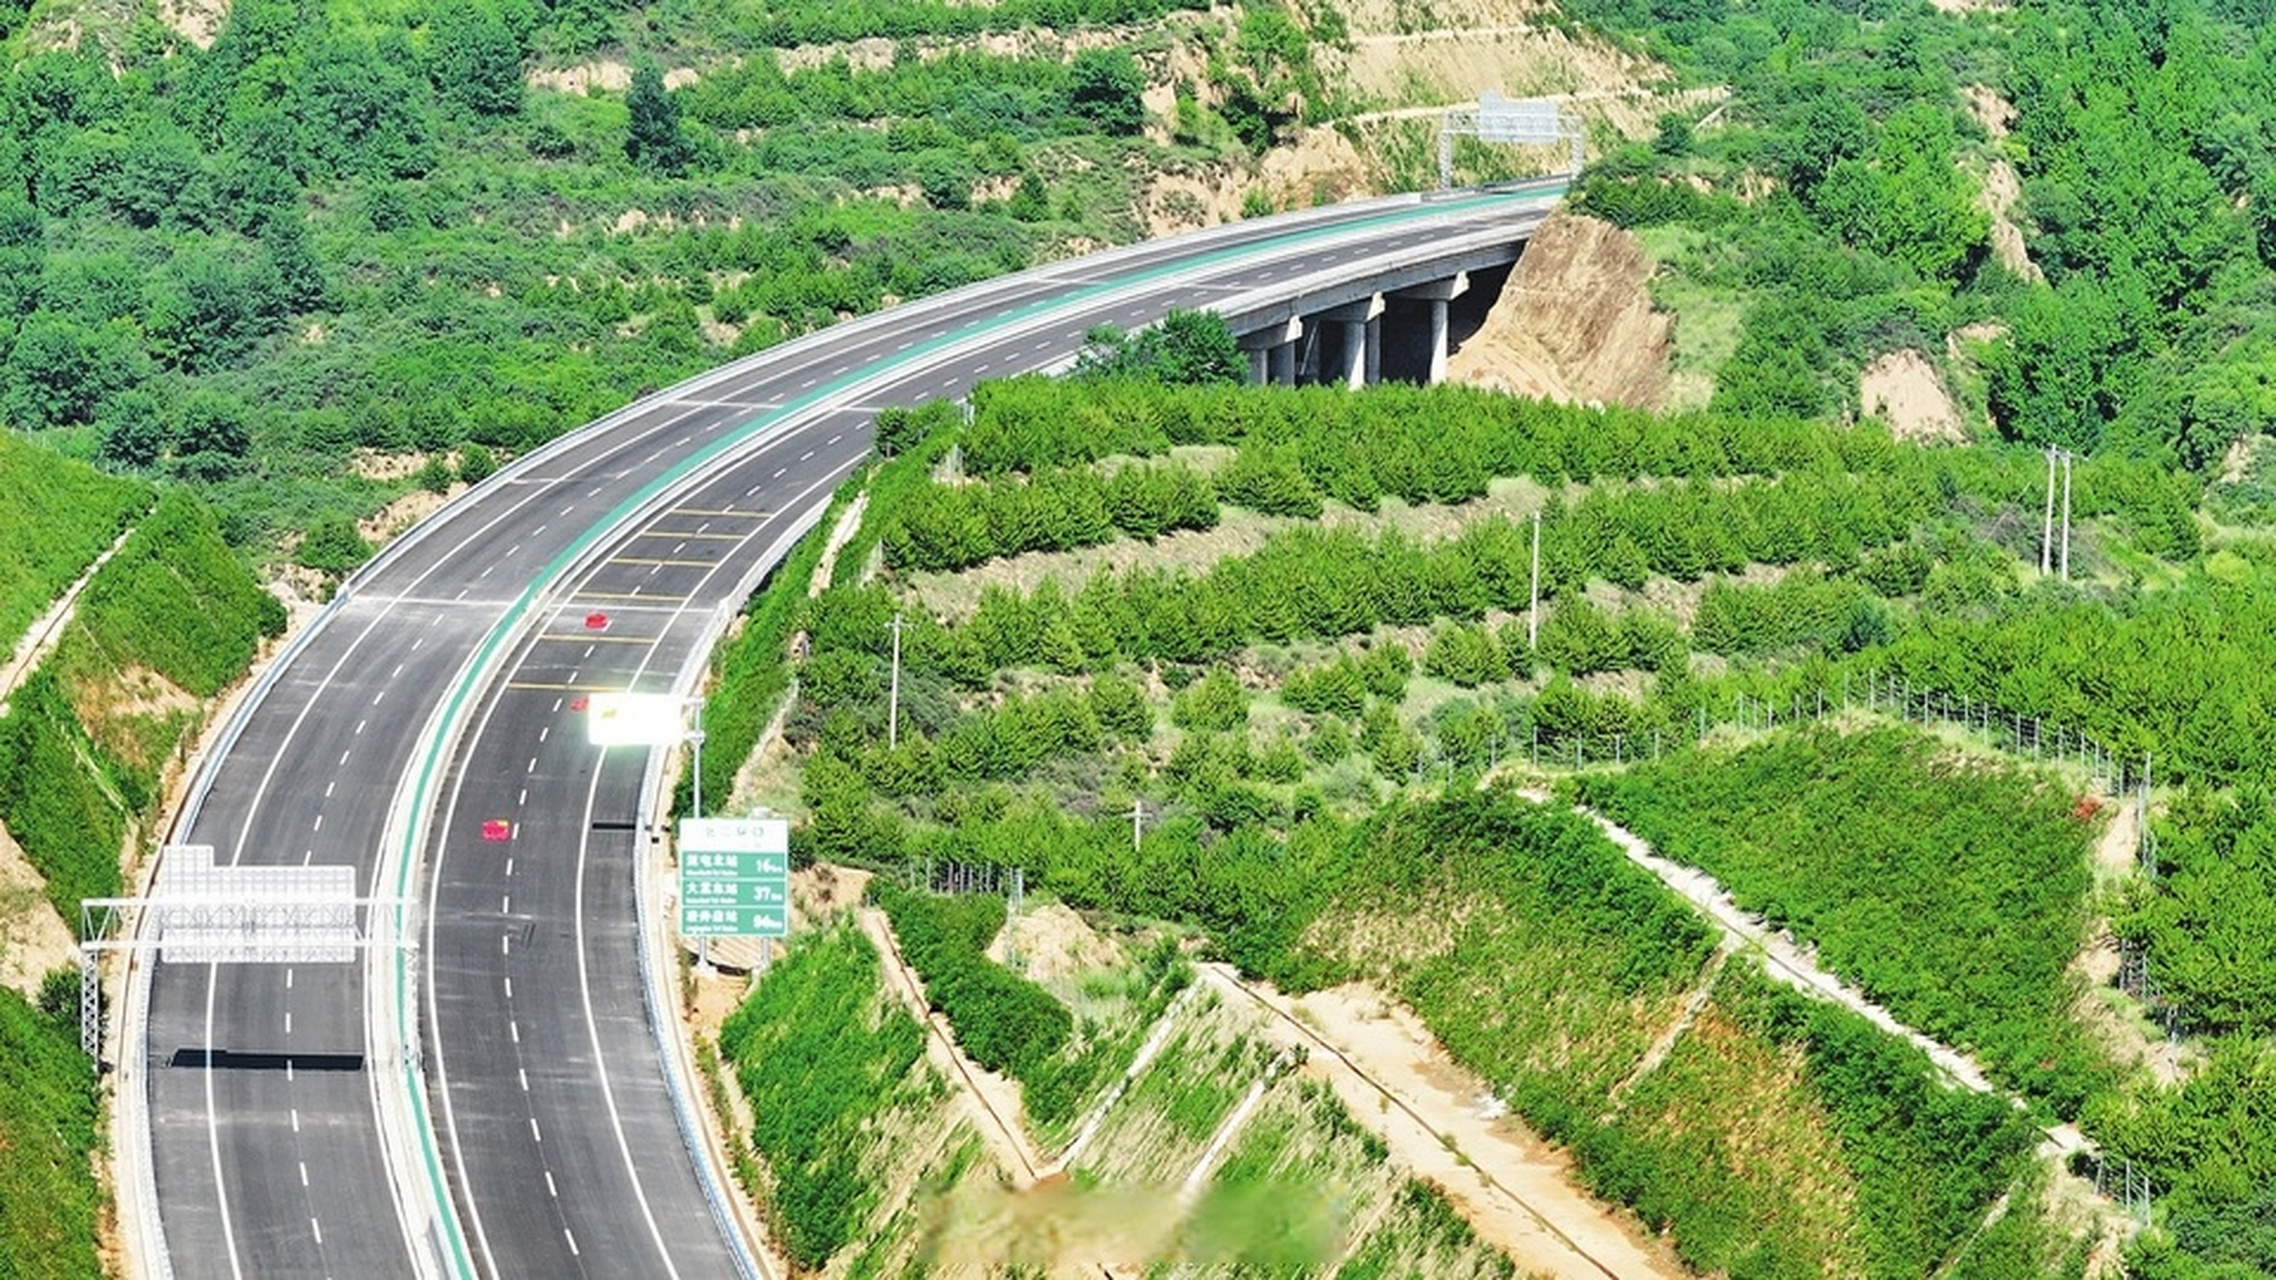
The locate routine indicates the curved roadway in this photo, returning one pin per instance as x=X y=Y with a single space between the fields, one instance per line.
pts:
x=530 y=1127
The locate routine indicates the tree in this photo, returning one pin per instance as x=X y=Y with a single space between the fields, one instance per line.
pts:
x=135 y=432
x=1105 y=87
x=1188 y=348
x=475 y=463
x=333 y=546
x=475 y=59
x=210 y=434
x=1828 y=128
x=292 y=258
x=652 y=137
x=2050 y=381
x=363 y=111
x=60 y=370
x=210 y=306
x=161 y=178
x=579 y=26
x=434 y=474
x=1674 y=137
x=1030 y=202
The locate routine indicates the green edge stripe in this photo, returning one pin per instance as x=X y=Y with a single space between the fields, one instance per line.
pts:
x=506 y=625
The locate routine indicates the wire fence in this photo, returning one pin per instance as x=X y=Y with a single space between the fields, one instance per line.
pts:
x=1522 y=734
x=950 y=877
x=2119 y=1179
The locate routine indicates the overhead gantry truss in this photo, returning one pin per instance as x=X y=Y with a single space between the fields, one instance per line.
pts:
x=201 y=913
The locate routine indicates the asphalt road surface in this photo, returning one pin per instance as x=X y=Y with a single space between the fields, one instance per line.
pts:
x=440 y=694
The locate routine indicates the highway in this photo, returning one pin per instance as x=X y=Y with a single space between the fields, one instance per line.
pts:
x=291 y=1131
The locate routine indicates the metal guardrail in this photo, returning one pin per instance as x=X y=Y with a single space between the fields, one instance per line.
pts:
x=134 y=1115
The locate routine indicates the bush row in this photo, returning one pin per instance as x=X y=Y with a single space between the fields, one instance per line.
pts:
x=1954 y=894
x=1311 y=583
x=820 y=1054
x=1419 y=444
x=1005 y=1022
x=943 y=527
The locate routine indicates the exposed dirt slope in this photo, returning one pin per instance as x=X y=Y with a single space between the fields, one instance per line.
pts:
x=1575 y=322
x=1405 y=53
x=1905 y=389
x=33 y=938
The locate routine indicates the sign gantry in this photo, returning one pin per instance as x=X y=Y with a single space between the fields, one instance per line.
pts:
x=198 y=912
x=1518 y=121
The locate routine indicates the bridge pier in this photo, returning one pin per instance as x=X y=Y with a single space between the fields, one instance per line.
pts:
x=1272 y=352
x=1432 y=338
x=1360 y=323
x=1359 y=351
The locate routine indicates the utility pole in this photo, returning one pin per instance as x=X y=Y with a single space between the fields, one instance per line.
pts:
x=2047 y=524
x=695 y=741
x=893 y=699
x=1137 y=817
x=1533 y=610
x=2067 y=457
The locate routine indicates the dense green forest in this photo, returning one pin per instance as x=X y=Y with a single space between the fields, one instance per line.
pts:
x=1836 y=204
x=336 y=227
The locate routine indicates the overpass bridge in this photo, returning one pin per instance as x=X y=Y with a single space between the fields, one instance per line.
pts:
x=504 y=1095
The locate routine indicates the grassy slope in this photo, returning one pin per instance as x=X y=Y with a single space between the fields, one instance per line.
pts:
x=848 y=1119
x=1949 y=889
x=49 y=1202
x=55 y=517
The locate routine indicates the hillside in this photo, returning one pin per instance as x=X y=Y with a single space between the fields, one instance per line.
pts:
x=1287 y=630
x=238 y=269
x=1240 y=665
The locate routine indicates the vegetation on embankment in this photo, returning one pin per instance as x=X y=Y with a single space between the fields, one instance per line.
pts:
x=56 y=516
x=48 y=1113
x=822 y=1056
x=1271 y=746
x=163 y=626
x=1949 y=889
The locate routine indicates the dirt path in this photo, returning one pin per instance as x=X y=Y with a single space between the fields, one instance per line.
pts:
x=1786 y=961
x=1514 y=1190
x=2116 y=1021
x=1701 y=992
x=2116 y=854
x=840 y=534
x=39 y=639
x=991 y=1101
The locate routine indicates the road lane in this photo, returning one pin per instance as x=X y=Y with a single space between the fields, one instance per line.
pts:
x=320 y=757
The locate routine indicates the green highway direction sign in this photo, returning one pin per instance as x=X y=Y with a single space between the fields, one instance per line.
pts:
x=734 y=877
